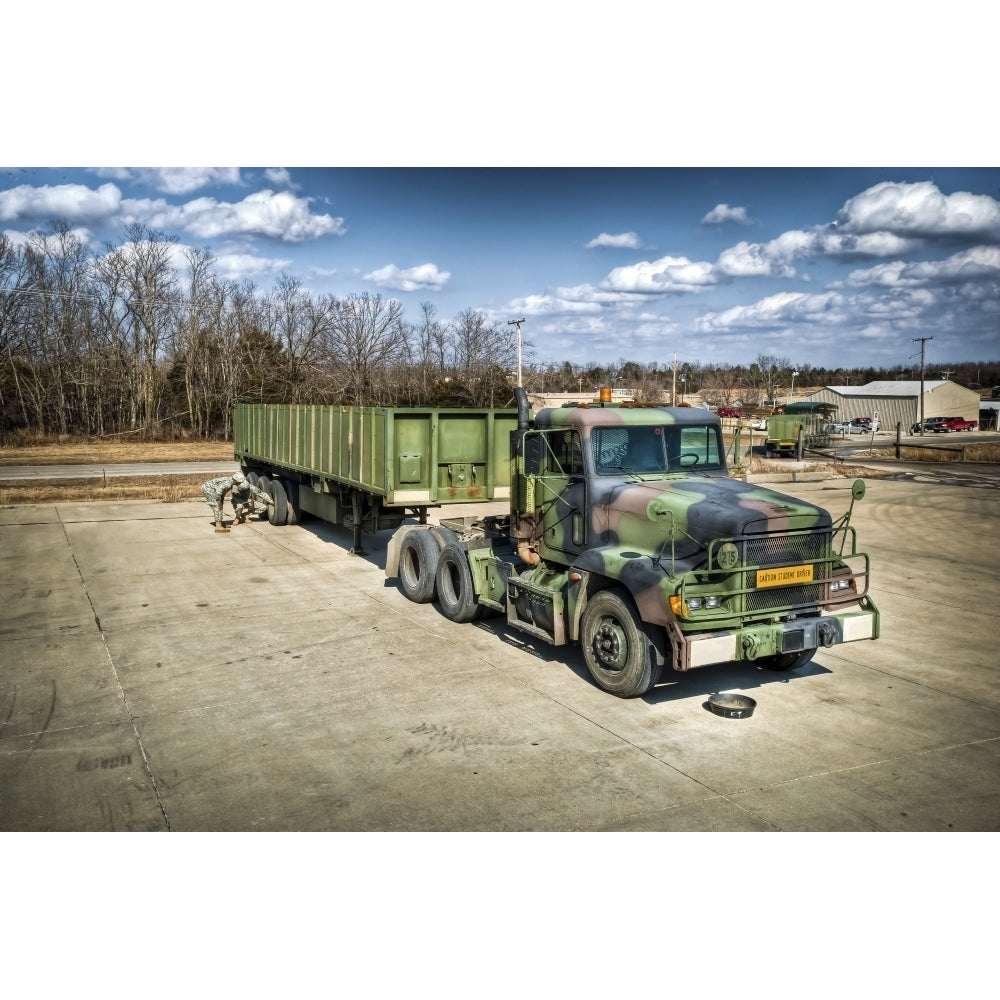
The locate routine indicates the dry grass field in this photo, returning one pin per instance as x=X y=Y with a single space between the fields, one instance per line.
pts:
x=167 y=489
x=24 y=450
x=110 y=451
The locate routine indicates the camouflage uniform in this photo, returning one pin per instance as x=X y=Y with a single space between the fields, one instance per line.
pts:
x=243 y=492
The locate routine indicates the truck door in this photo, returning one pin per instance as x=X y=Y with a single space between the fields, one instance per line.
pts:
x=561 y=494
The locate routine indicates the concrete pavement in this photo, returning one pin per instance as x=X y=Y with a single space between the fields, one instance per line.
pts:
x=157 y=676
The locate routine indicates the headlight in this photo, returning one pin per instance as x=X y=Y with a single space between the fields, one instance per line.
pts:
x=844 y=583
x=690 y=604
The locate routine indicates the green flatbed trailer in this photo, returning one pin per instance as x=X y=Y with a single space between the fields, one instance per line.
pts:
x=368 y=467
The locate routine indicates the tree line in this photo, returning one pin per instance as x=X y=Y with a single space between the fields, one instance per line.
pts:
x=125 y=341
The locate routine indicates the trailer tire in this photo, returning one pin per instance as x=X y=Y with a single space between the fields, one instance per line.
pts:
x=619 y=654
x=277 y=513
x=293 y=515
x=453 y=579
x=785 y=661
x=418 y=560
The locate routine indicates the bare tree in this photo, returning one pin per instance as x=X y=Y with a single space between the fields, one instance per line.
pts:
x=484 y=357
x=139 y=302
x=367 y=338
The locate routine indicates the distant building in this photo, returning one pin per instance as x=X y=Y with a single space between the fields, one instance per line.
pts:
x=899 y=402
x=541 y=400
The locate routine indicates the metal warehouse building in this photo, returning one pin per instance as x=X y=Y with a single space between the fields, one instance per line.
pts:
x=899 y=402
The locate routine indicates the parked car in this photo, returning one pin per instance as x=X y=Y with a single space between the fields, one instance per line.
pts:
x=929 y=424
x=860 y=425
x=843 y=427
x=955 y=424
x=760 y=424
x=729 y=411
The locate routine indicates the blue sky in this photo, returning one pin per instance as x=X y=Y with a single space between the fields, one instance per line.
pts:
x=648 y=183
x=841 y=266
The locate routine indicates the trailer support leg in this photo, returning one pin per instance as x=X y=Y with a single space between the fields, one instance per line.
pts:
x=357 y=549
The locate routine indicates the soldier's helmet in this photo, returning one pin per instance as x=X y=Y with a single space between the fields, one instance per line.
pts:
x=239 y=478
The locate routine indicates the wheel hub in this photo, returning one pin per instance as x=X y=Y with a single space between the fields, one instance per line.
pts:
x=610 y=646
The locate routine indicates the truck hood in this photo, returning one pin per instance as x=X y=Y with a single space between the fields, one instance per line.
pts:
x=689 y=513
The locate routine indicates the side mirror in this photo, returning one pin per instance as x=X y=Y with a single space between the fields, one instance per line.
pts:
x=858 y=490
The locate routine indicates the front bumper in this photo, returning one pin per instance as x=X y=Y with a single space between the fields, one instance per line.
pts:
x=770 y=639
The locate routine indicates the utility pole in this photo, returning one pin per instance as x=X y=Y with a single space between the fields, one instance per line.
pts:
x=673 y=385
x=921 y=341
x=517 y=323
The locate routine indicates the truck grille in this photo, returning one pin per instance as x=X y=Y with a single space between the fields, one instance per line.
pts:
x=780 y=597
x=791 y=549
x=782 y=550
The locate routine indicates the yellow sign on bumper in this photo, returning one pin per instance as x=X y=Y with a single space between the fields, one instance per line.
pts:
x=782 y=575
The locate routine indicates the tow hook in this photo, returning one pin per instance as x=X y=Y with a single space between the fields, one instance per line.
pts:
x=826 y=633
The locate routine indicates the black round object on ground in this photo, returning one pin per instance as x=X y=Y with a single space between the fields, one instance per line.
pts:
x=732 y=706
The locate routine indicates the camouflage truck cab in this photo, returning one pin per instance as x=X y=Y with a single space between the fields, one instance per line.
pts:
x=626 y=535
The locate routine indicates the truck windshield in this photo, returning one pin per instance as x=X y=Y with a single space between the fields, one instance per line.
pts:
x=660 y=449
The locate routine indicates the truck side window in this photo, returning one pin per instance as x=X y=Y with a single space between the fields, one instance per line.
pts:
x=563 y=453
x=701 y=442
x=610 y=445
x=571 y=458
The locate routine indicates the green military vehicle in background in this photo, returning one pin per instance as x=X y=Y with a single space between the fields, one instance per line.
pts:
x=800 y=427
x=624 y=533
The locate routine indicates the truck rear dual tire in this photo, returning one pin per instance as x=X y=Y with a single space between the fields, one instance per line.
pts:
x=619 y=654
x=418 y=559
x=453 y=578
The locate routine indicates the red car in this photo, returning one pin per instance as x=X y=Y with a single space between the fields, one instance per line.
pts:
x=954 y=424
x=728 y=411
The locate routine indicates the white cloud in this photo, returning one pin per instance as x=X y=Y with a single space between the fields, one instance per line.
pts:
x=754 y=260
x=280 y=216
x=777 y=310
x=72 y=202
x=278 y=176
x=240 y=266
x=184 y=180
x=411 y=279
x=19 y=239
x=724 y=213
x=668 y=274
x=921 y=211
x=551 y=304
x=974 y=264
x=629 y=241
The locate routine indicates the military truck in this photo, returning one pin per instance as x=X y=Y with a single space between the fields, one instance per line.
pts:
x=802 y=426
x=626 y=535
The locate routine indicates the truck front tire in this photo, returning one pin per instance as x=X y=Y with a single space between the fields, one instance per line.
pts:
x=785 y=661
x=455 y=593
x=619 y=655
x=418 y=559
